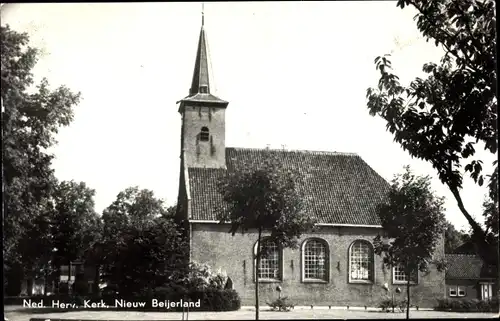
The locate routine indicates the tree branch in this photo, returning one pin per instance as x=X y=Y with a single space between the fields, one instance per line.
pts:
x=475 y=226
x=425 y=15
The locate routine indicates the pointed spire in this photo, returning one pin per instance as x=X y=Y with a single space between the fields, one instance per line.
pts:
x=201 y=82
x=200 y=86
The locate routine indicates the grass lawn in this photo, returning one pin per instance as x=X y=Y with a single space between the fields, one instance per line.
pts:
x=24 y=314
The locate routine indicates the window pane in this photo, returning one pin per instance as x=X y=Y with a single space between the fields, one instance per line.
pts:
x=270 y=262
x=204 y=134
x=361 y=261
x=400 y=275
x=315 y=260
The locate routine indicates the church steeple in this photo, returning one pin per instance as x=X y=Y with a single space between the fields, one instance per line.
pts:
x=200 y=85
x=201 y=81
x=203 y=116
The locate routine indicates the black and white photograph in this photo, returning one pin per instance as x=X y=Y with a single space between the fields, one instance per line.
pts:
x=250 y=160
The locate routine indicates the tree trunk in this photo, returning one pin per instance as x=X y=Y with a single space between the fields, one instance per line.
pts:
x=69 y=277
x=97 y=279
x=45 y=283
x=257 y=264
x=408 y=298
x=488 y=252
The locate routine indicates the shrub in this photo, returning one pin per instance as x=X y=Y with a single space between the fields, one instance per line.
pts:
x=200 y=277
x=467 y=305
x=386 y=305
x=211 y=299
x=219 y=300
x=281 y=304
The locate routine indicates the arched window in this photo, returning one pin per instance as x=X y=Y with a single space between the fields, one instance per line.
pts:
x=204 y=134
x=271 y=261
x=315 y=263
x=361 y=262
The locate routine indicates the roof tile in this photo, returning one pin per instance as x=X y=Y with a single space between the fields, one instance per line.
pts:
x=343 y=189
x=466 y=266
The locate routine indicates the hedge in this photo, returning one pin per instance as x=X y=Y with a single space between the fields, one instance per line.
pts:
x=467 y=305
x=206 y=300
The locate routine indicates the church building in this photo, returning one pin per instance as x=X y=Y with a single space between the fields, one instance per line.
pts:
x=333 y=266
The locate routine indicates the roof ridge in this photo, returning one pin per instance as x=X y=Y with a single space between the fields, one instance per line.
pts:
x=305 y=151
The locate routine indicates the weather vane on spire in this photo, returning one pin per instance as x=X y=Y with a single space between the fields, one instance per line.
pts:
x=203 y=13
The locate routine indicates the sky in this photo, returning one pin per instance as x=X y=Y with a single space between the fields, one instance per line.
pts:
x=295 y=75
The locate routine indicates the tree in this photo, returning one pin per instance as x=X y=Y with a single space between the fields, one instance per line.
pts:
x=142 y=244
x=264 y=198
x=441 y=119
x=414 y=223
x=453 y=238
x=75 y=226
x=490 y=209
x=30 y=120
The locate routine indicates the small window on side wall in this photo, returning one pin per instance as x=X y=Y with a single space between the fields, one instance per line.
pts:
x=452 y=290
x=204 y=134
x=399 y=276
x=461 y=291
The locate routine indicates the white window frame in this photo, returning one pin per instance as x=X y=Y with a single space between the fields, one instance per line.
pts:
x=462 y=289
x=394 y=281
x=454 y=289
x=371 y=271
x=326 y=262
x=280 y=265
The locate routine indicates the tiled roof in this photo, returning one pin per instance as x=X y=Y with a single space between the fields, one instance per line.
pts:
x=341 y=188
x=467 y=266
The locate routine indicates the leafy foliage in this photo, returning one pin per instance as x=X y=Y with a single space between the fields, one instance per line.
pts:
x=199 y=278
x=388 y=304
x=467 y=305
x=31 y=117
x=142 y=245
x=453 y=238
x=265 y=197
x=441 y=119
x=76 y=225
x=413 y=221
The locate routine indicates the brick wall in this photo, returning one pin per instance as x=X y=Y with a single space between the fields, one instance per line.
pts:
x=213 y=245
x=211 y=153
